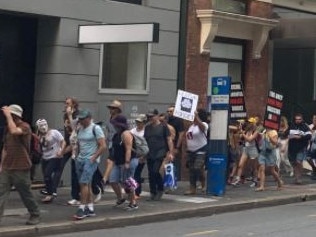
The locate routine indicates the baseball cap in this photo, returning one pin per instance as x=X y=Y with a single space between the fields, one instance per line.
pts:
x=83 y=113
x=152 y=112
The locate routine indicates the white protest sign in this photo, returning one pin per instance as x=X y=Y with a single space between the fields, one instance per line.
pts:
x=186 y=104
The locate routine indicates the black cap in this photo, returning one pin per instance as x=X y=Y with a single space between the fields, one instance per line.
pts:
x=152 y=112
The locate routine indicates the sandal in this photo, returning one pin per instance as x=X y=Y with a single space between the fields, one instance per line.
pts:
x=47 y=199
x=260 y=189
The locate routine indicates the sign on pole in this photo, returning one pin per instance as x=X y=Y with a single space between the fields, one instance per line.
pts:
x=220 y=92
x=186 y=104
x=273 y=110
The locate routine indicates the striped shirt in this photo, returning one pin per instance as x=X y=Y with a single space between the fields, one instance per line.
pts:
x=16 y=149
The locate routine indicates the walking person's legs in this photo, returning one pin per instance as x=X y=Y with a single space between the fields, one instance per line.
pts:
x=5 y=188
x=115 y=180
x=138 y=178
x=262 y=176
x=75 y=187
x=59 y=171
x=50 y=167
x=22 y=182
x=158 y=179
x=85 y=170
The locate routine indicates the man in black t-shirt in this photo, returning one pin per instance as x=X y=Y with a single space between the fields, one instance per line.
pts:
x=160 y=147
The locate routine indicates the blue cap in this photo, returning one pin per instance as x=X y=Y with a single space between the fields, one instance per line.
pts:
x=84 y=113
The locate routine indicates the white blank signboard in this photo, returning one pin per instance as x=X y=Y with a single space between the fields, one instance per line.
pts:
x=219 y=124
x=93 y=34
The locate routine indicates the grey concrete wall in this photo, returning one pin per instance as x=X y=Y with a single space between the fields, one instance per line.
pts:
x=66 y=69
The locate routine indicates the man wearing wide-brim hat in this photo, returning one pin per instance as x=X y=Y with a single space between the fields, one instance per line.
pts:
x=115 y=106
x=16 y=163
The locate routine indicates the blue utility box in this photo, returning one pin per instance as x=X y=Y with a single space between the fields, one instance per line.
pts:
x=216 y=174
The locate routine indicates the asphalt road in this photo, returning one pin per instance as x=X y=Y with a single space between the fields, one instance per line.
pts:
x=281 y=221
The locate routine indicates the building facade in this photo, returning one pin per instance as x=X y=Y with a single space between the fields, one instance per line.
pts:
x=294 y=65
x=43 y=62
x=265 y=44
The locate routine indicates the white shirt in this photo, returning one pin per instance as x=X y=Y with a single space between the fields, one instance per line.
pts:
x=196 y=139
x=137 y=133
x=50 y=144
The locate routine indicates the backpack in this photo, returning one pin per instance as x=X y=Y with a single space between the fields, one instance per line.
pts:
x=108 y=130
x=140 y=146
x=260 y=141
x=35 y=149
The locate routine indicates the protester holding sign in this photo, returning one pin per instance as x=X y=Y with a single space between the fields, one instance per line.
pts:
x=196 y=138
x=248 y=135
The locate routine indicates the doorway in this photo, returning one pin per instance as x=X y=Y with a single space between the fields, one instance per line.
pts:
x=18 y=35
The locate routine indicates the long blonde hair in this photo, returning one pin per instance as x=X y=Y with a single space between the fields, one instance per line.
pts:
x=284 y=121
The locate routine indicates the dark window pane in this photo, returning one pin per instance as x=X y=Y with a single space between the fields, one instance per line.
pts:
x=130 y=1
x=124 y=66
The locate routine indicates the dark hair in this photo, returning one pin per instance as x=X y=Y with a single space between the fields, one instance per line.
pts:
x=74 y=102
x=202 y=115
x=298 y=115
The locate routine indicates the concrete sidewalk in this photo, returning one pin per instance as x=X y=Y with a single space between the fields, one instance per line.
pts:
x=57 y=216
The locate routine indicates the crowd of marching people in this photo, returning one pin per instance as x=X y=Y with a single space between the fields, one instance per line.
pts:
x=254 y=152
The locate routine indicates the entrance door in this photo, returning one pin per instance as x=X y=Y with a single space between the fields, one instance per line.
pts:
x=17 y=63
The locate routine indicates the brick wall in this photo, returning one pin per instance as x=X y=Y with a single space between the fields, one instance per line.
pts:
x=196 y=72
x=256 y=84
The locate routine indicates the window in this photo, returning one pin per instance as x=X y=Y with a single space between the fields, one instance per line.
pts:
x=125 y=66
x=139 y=2
x=233 y=6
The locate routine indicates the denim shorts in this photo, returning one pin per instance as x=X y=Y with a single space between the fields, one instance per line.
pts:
x=297 y=157
x=85 y=170
x=268 y=159
x=119 y=174
x=250 y=151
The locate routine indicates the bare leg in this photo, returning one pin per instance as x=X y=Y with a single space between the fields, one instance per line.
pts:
x=276 y=176
x=262 y=176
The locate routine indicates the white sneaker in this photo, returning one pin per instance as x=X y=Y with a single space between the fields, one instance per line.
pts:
x=236 y=182
x=98 y=196
x=74 y=202
x=292 y=174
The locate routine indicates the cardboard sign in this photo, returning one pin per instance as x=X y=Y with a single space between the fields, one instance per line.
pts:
x=273 y=110
x=186 y=104
x=237 y=102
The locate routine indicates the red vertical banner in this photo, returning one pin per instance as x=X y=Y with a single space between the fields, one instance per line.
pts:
x=273 y=110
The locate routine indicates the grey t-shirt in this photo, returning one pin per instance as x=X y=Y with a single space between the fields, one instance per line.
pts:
x=156 y=137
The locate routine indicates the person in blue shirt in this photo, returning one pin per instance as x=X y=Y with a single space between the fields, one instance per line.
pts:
x=91 y=143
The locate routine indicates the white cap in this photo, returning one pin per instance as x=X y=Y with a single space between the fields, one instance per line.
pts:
x=16 y=110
